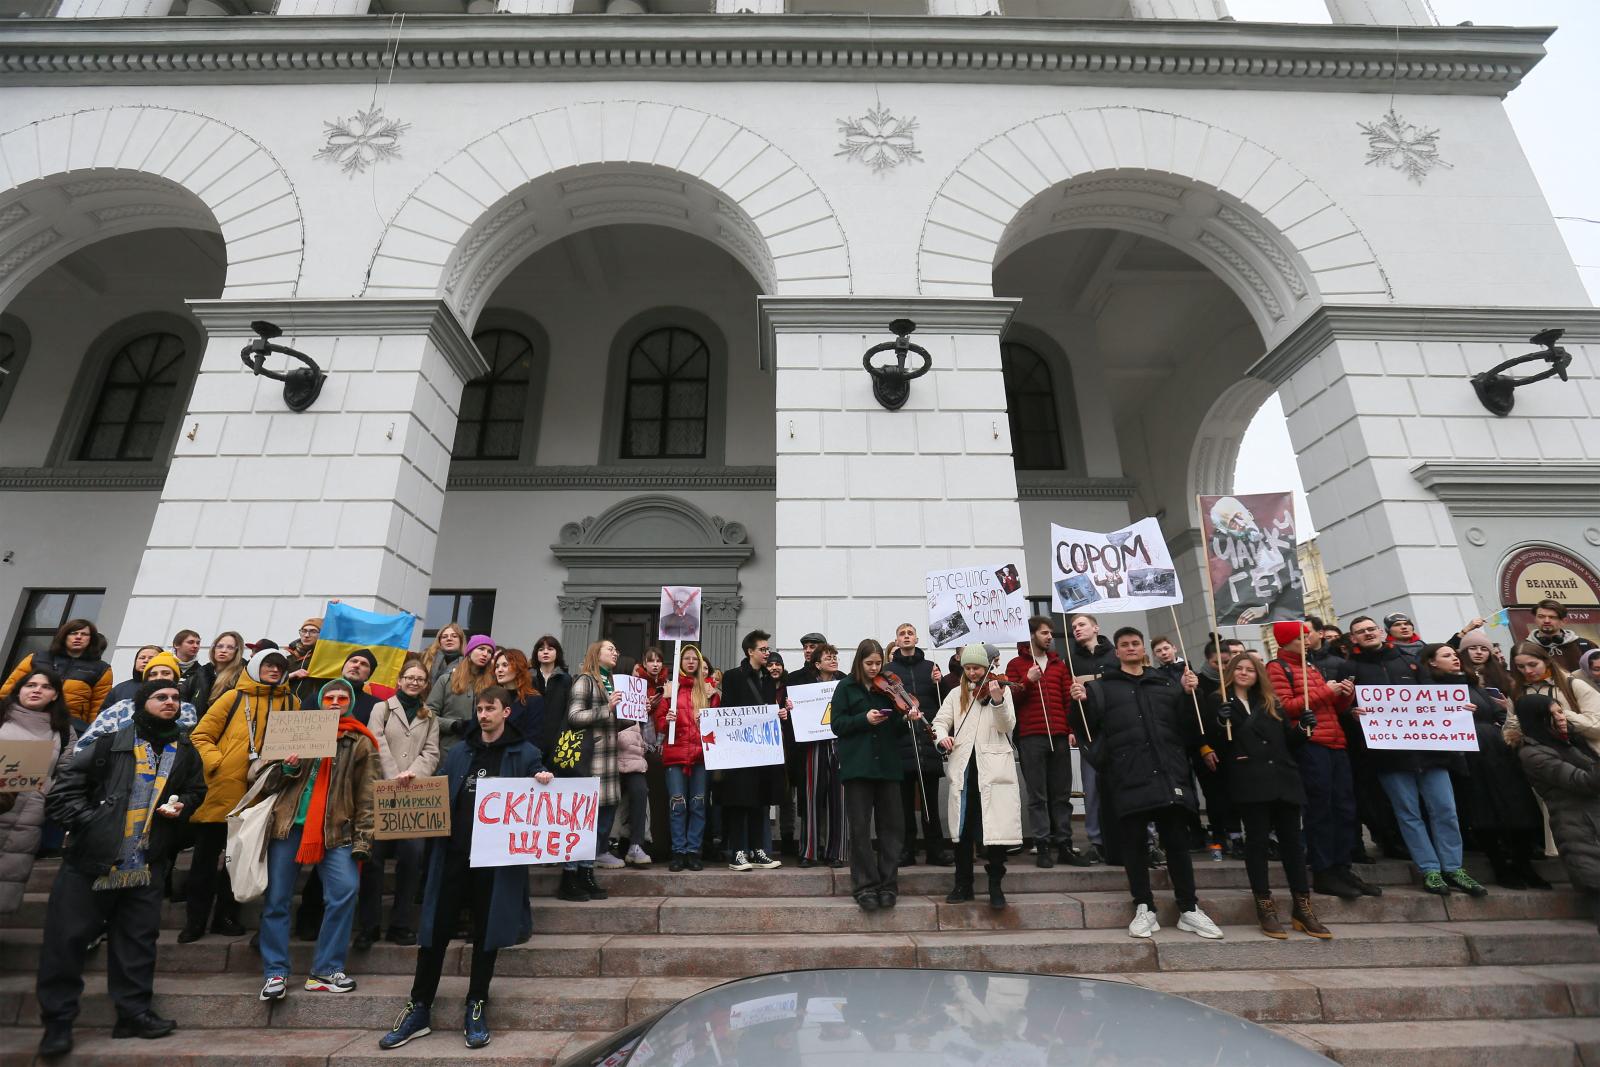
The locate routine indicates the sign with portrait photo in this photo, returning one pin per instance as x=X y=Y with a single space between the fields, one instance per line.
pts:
x=680 y=613
x=977 y=603
x=1105 y=573
x=1251 y=558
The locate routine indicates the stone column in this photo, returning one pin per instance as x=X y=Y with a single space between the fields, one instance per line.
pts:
x=1178 y=9
x=1379 y=400
x=868 y=499
x=577 y=625
x=110 y=9
x=719 y=628
x=1381 y=12
x=266 y=514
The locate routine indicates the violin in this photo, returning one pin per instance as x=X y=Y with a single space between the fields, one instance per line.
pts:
x=886 y=682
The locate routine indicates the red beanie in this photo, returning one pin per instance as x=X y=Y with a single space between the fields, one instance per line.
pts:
x=1287 y=632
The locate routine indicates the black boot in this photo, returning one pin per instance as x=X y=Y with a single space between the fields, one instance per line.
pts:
x=571 y=887
x=962 y=892
x=57 y=1039
x=590 y=884
x=996 y=870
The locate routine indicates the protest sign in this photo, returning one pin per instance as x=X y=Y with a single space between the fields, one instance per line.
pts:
x=416 y=807
x=1105 y=573
x=635 y=704
x=1427 y=718
x=309 y=734
x=1251 y=560
x=812 y=716
x=680 y=613
x=24 y=765
x=772 y=1009
x=977 y=603
x=517 y=820
x=744 y=736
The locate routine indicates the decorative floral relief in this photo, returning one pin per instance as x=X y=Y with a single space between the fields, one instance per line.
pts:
x=879 y=140
x=1401 y=145
x=363 y=139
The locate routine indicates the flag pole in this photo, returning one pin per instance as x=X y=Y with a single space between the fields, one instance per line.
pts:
x=672 y=697
x=1177 y=628
x=1211 y=607
x=1072 y=679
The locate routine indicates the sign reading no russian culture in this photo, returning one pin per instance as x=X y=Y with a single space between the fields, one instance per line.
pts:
x=517 y=820
x=1417 y=717
x=1250 y=557
x=741 y=736
x=635 y=703
x=1105 y=573
x=979 y=603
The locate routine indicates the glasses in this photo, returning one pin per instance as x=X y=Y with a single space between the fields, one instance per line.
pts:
x=335 y=700
x=420 y=679
x=165 y=700
x=763 y=649
x=1367 y=632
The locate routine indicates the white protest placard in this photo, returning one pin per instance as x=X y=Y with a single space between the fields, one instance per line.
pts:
x=680 y=613
x=1426 y=718
x=812 y=716
x=310 y=734
x=977 y=603
x=772 y=1009
x=24 y=765
x=635 y=703
x=1105 y=573
x=519 y=821
x=744 y=736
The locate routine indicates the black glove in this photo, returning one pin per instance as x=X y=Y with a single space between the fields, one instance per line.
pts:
x=1225 y=711
x=1308 y=720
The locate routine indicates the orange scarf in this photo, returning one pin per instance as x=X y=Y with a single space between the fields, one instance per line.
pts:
x=311 y=839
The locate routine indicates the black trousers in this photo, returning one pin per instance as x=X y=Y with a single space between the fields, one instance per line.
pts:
x=874 y=868
x=1172 y=823
x=636 y=801
x=208 y=878
x=1263 y=819
x=462 y=884
x=407 y=854
x=77 y=913
x=911 y=793
x=1222 y=814
x=994 y=856
x=1047 y=781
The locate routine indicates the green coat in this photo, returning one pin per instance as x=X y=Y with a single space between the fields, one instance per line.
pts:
x=866 y=751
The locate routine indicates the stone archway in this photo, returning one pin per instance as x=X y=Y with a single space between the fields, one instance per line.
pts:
x=626 y=160
x=629 y=551
x=1264 y=226
x=75 y=179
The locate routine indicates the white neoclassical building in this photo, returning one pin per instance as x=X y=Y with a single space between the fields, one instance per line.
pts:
x=591 y=284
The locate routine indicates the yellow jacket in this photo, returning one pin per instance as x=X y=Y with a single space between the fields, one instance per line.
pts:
x=224 y=743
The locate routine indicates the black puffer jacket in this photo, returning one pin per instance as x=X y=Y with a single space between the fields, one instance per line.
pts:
x=1144 y=730
x=1087 y=665
x=1260 y=761
x=1568 y=778
x=916 y=744
x=91 y=801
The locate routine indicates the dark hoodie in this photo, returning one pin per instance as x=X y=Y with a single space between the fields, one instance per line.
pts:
x=915 y=672
x=483 y=763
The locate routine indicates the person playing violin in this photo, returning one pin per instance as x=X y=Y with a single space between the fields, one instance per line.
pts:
x=867 y=721
x=974 y=726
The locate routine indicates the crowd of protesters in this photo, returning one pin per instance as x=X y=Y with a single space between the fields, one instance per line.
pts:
x=977 y=755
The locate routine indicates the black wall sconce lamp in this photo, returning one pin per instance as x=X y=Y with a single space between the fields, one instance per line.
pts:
x=1496 y=389
x=891 y=383
x=301 y=385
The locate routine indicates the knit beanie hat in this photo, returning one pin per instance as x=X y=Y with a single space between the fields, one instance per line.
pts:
x=1285 y=633
x=314 y=621
x=973 y=655
x=362 y=653
x=1474 y=639
x=477 y=642
x=147 y=726
x=163 y=659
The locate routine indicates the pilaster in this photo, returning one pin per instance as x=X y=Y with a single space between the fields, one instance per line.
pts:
x=265 y=513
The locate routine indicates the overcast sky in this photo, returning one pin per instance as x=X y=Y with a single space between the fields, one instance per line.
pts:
x=1553 y=112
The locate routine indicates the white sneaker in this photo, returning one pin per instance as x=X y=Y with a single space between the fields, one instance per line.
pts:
x=1144 y=923
x=1198 y=922
x=637 y=857
x=609 y=861
x=741 y=862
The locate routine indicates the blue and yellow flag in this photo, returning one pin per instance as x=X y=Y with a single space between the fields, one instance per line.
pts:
x=346 y=629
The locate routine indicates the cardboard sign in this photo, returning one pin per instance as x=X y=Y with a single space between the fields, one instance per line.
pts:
x=1106 y=573
x=680 y=613
x=416 y=808
x=24 y=765
x=1428 y=718
x=979 y=603
x=812 y=717
x=747 y=736
x=1251 y=558
x=517 y=820
x=635 y=703
x=309 y=734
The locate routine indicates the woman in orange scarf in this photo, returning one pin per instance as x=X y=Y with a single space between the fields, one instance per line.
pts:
x=322 y=818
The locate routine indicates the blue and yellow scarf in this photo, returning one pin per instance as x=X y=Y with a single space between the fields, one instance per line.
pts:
x=149 y=779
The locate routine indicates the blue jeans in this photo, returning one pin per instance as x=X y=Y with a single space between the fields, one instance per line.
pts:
x=1434 y=840
x=602 y=832
x=340 y=881
x=686 y=807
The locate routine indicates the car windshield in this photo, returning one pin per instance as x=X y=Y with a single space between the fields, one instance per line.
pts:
x=873 y=1017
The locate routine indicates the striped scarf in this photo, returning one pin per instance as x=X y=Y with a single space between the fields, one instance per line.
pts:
x=150 y=772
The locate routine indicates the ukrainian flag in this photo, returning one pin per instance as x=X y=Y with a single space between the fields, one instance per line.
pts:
x=346 y=629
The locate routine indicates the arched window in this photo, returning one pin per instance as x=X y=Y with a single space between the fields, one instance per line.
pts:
x=494 y=407
x=1031 y=405
x=141 y=387
x=667 y=398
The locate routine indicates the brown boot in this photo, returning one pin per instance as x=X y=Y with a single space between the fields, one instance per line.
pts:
x=1267 y=916
x=1305 y=919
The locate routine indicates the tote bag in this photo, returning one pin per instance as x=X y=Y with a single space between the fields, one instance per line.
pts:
x=246 y=853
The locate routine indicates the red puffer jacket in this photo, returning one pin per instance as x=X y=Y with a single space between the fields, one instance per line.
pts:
x=1289 y=684
x=684 y=749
